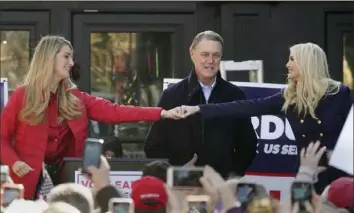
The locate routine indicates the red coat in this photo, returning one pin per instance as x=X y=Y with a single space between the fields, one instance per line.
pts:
x=20 y=141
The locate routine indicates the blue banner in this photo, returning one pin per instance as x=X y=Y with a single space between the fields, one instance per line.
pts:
x=276 y=149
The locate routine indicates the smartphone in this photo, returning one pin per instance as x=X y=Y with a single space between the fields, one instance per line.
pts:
x=245 y=191
x=199 y=203
x=92 y=154
x=121 y=205
x=301 y=192
x=184 y=177
x=261 y=203
x=4 y=174
x=10 y=192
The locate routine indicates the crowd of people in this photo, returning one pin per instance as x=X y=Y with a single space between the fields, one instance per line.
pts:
x=152 y=194
x=202 y=122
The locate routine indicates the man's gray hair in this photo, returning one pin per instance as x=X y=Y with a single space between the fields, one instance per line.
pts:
x=74 y=194
x=206 y=35
x=61 y=207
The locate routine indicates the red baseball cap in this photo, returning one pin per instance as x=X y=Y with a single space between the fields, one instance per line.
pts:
x=341 y=192
x=148 y=193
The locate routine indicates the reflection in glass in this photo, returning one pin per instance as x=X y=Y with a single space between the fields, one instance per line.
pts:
x=128 y=68
x=348 y=60
x=14 y=56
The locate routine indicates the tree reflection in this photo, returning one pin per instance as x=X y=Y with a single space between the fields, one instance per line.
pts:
x=348 y=60
x=128 y=68
x=14 y=56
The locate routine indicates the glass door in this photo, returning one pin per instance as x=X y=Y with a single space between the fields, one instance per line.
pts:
x=124 y=59
x=340 y=46
x=348 y=59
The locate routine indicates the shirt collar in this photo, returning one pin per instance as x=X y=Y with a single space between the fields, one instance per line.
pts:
x=208 y=87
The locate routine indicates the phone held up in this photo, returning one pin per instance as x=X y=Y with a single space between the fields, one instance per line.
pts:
x=4 y=174
x=121 y=205
x=11 y=192
x=245 y=191
x=184 y=177
x=92 y=154
x=199 y=203
x=301 y=192
x=253 y=198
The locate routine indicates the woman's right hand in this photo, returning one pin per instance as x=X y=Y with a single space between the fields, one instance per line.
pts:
x=21 y=168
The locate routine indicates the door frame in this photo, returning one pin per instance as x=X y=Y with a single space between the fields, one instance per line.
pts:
x=337 y=24
x=181 y=27
x=36 y=22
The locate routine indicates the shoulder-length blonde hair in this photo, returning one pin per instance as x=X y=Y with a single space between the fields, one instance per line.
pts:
x=314 y=81
x=38 y=82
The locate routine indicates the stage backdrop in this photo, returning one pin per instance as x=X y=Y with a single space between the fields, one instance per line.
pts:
x=3 y=92
x=274 y=165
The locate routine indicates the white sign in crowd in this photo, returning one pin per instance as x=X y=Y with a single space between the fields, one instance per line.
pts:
x=342 y=156
x=123 y=180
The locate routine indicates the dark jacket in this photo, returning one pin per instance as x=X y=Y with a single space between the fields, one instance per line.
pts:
x=331 y=113
x=226 y=144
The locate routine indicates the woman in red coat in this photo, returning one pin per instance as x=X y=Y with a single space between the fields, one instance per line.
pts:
x=46 y=119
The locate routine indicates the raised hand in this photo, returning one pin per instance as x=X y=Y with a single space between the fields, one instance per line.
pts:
x=311 y=156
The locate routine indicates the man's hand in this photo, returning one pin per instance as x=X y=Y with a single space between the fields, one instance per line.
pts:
x=175 y=113
x=100 y=176
x=21 y=168
x=189 y=110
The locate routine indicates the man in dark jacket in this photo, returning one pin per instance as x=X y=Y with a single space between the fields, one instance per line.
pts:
x=228 y=145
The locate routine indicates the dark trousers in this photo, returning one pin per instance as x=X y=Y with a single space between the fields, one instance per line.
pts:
x=327 y=177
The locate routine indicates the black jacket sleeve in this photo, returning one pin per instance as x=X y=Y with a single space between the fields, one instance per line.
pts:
x=244 y=143
x=155 y=141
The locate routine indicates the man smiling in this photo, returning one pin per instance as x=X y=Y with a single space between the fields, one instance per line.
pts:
x=228 y=145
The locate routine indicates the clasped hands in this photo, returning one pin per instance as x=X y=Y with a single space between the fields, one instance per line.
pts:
x=180 y=112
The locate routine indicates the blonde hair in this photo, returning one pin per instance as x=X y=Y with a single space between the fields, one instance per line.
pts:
x=314 y=81
x=38 y=82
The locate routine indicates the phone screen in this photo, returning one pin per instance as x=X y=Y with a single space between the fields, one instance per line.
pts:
x=4 y=174
x=187 y=178
x=198 y=206
x=10 y=194
x=92 y=155
x=3 y=178
x=244 y=192
x=121 y=207
x=301 y=191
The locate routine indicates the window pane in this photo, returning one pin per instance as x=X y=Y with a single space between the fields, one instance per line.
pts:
x=348 y=60
x=128 y=68
x=14 y=56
